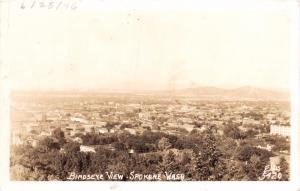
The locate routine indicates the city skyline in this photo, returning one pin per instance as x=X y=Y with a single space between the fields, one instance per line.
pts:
x=117 y=90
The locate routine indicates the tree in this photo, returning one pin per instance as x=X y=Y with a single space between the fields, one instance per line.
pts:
x=121 y=164
x=100 y=160
x=59 y=135
x=234 y=171
x=245 y=153
x=76 y=162
x=233 y=132
x=254 y=159
x=164 y=144
x=194 y=131
x=284 y=169
x=119 y=146
x=19 y=172
x=47 y=144
x=250 y=133
x=187 y=165
x=169 y=162
x=72 y=147
x=254 y=168
x=209 y=164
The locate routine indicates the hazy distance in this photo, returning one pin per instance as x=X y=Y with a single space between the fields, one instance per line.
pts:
x=137 y=50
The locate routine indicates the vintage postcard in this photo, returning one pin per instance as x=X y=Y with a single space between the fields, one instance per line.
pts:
x=187 y=94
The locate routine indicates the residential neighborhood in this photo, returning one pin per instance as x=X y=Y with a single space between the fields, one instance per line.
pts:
x=263 y=125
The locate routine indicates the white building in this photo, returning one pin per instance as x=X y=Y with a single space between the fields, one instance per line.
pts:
x=268 y=147
x=45 y=133
x=188 y=127
x=280 y=130
x=100 y=123
x=78 y=140
x=103 y=130
x=16 y=139
x=144 y=115
x=131 y=131
x=80 y=120
x=85 y=149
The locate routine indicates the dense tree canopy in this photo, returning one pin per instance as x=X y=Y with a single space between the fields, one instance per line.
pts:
x=199 y=155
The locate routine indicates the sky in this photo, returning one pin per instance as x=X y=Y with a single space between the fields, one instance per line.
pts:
x=148 y=49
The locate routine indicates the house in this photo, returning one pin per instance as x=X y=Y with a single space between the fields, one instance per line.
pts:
x=250 y=121
x=103 y=130
x=45 y=133
x=89 y=128
x=34 y=143
x=220 y=131
x=172 y=125
x=112 y=130
x=78 y=140
x=188 y=127
x=131 y=131
x=242 y=128
x=268 y=147
x=145 y=115
x=100 y=123
x=131 y=151
x=62 y=150
x=79 y=120
x=85 y=149
x=185 y=120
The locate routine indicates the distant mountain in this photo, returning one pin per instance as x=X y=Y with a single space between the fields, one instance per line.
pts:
x=241 y=93
x=203 y=92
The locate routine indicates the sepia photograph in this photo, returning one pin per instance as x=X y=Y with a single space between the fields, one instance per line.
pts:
x=117 y=91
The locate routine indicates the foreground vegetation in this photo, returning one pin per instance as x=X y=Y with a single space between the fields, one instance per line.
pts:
x=198 y=155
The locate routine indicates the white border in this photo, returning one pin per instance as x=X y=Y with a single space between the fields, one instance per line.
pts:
x=295 y=104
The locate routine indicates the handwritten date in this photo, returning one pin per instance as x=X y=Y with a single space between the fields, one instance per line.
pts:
x=50 y=4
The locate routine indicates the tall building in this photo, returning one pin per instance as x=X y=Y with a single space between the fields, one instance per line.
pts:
x=280 y=130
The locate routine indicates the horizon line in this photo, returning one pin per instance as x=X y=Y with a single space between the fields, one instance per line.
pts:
x=124 y=90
